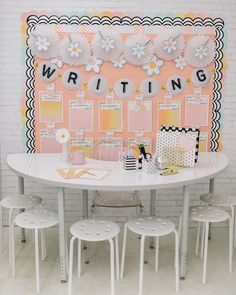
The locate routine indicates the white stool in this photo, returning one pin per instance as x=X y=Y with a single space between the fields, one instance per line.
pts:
x=205 y=215
x=18 y=202
x=151 y=227
x=33 y=219
x=220 y=200
x=94 y=230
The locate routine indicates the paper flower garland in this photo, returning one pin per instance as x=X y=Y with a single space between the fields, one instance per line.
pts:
x=200 y=51
x=93 y=64
x=138 y=50
x=43 y=42
x=75 y=50
x=153 y=66
x=57 y=62
x=62 y=135
x=169 y=45
x=120 y=62
x=107 y=45
x=180 y=63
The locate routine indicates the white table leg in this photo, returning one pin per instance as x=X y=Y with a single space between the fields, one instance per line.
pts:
x=85 y=203
x=21 y=191
x=152 y=212
x=211 y=190
x=85 y=216
x=62 y=233
x=184 y=237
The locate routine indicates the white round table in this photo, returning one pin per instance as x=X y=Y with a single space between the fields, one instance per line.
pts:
x=43 y=168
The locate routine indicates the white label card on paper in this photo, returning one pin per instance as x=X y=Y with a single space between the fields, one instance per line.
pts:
x=46 y=134
x=191 y=99
x=55 y=97
x=82 y=143
x=169 y=106
x=110 y=106
x=77 y=105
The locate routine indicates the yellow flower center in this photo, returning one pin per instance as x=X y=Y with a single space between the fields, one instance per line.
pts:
x=74 y=49
x=152 y=65
x=63 y=136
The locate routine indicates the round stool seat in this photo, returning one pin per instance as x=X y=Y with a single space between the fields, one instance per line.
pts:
x=151 y=226
x=208 y=214
x=94 y=230
x=37 y=218
x=216 y=199
x=21 y=202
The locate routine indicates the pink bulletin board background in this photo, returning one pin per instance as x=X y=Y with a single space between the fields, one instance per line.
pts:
x=134 y=73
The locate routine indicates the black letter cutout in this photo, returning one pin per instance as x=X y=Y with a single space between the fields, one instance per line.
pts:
x=150 y=87
x=72 y=76
x=201 y=76
x=98 y=84
x=124 y=86
x=47 y=71
x=174 y=83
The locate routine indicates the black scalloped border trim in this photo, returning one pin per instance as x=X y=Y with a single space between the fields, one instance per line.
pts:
x=218 y=23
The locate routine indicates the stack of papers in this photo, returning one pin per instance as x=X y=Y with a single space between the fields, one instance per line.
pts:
x=83 y=173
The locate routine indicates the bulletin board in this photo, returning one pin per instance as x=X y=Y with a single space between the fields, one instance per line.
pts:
x=119 y=77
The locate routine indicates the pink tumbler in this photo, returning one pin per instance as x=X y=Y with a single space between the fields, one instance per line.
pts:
x=77 y=157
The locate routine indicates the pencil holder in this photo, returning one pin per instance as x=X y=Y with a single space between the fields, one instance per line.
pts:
x=149 y=167
x=129 y=163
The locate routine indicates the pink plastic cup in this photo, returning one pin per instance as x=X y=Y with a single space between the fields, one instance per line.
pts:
x=77 y=157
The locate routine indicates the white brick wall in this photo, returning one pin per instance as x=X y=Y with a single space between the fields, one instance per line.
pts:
x=169 y=201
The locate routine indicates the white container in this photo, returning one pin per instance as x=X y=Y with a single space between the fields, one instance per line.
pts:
x=149 y=167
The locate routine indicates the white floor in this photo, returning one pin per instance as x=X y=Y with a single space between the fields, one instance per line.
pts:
x=95 y=275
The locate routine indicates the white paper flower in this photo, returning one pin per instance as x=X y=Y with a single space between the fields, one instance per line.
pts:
x=138 y=49
x=199 y=51
x=180 y=62
x=57 y=62
x=120 y=62
x=75 y=50
x=93 y=64
x=153 y=66
x=43 y=42
x=107 y=45
x=170 y=45
x=62 y=135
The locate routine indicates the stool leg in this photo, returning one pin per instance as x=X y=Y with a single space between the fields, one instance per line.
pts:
x=112 y=267
x=176 y=261
x=180 y=226
x=233 y=217
x=117 y=258
x=12 y=249
x=79 y=258
x=198 y=236
x=71 y=265
x=9 y=237
x=123 y=252
x=43 y=244
x=202 y=240
x=141 y=265
x=205 y=253
x=231 y=220
x=157 y=254
x=1 y=230
x=36 y=237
